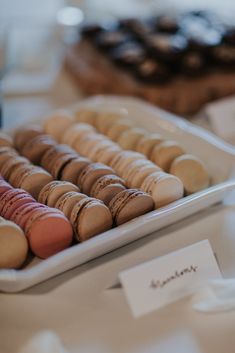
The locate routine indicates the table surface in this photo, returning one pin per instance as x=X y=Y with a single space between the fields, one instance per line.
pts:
x=90 y=317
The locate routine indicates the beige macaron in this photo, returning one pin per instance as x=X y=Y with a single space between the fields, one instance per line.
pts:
x=5 y=140
x=138 y=174
x=192 y=172
x=7 y=153
x=105 y=120
x=73 y=169
x=147 y=143
x=85 y=116
x=122 y=158
x=129 y=139
x=164 y=188
x=84 y=145
x=108 y=154
x=118 y=127
x=56 y=123
x=13 y=246
x=164 y=154
x=76 y=131
x=96 y=149
x=26 y=133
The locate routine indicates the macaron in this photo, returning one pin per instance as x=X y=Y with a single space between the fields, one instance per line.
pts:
x=90 y=217
x=56 y=123
x=4 y=186
x=133 y=167
x=91 y=174
x=13 y=246
x=60 y=163
x=129 y=204
x=106 y=187
x=107 y=155
x=21 y=215
x=5 y=140
x=105 y=120
x=75 y=132
x=87 y=142
x=98 y=148
x=146 y=144
x=141 y=174
x=12 y=199
x=129 y=139
x=164 y=154
x=35 y=148
x=25 y=134
x=73 y=169
x=10 y=164
x=51 y=192
x=33 y=180
x=192 y=172
x=6 y=153
x=118 y=127
x=85 y=116
x=164 y=188
x=48 y=233
x=67 y=201
x=122 y=158
x=55 y=151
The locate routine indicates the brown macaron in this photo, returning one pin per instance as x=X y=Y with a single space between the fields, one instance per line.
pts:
x=129 y=204
x=35 y=148
x=25 y=134
x=91 y=174
x=67 y=202
x=106 y=187
x=72 y=170
x=51 y=192
x=90 y=217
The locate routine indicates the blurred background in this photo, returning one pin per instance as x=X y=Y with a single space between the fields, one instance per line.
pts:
x=33 y=35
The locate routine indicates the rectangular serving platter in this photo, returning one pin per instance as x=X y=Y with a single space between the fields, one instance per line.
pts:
x=218 y=156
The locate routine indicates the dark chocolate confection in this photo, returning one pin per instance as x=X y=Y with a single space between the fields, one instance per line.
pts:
x=152 y=71
x=138 y=27
x=110 y=39
x=167 y=24
x=193 y=63
x=128 y=54
x=224 y=54
x=167 y=47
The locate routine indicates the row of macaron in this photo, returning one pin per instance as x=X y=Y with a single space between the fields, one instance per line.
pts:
x=121 y=134
x=37 y=221
x=94 y=179
x=97 y=179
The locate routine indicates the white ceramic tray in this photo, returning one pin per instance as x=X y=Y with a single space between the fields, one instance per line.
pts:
x=218 y=155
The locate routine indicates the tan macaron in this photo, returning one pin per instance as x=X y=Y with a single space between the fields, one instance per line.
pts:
x=164 y=188
x=147 y=143
x=105 y=120
x=26 y=133
x=51 y=192
x=35 y=148
x=76 y=131
x=129 y=139
x=90 y=217
x=164 y=154
x=85 y=116
x=13 y=246
x=67 y=202
x=73 y=169
x=106 y=187
x=192 y=172
x=56 y=123
x=118 y=127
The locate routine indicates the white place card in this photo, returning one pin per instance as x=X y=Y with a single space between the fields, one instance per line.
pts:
x=161 y=281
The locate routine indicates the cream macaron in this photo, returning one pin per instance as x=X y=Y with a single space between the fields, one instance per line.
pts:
x=118 y=127
x=164 y=188
x=147 y=143
x=192 y=172
x=164 y=153
x=129 y=139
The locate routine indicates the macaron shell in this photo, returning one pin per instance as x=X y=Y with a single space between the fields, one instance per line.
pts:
x=99 y=148
x=44 y=193
x=73 y=169
x=164 y=154
x=6 y=154
x=75 y=132
x=104 y=181
x=85 y=116
x=93 y=219
x=57 y=123
x=105 y=120
x=87 y=143
x=35 y=148
x=49 y=235
x=141 y=174
x=10 y=164
x=13 y=246
x=108 y=154
x=117 y=128
x=60 y=163
x=192 y=172
x=15 y=202
x=19 y=216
